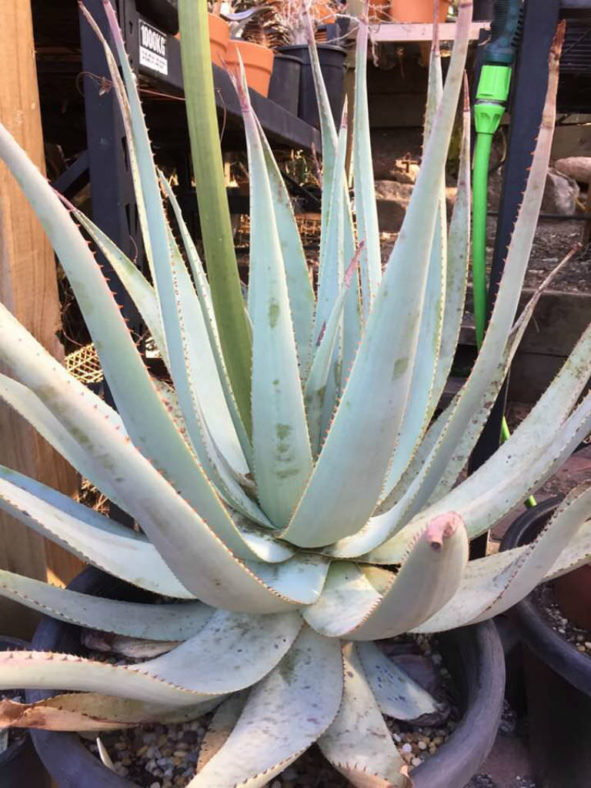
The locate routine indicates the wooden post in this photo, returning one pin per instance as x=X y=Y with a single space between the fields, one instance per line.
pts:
x=28 y=286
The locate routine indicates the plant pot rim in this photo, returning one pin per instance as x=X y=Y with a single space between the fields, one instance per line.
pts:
x=535 y=631
x=454 y=763
x=285 y=56
x=285 y=47
x=249 y=44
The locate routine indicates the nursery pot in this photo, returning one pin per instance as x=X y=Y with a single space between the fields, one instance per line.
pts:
x=557 y=677
x=19 y=765
x=473 y=655
x=417 y=10
x=332 y=65
x=284 y=88
x=219 y=37
x=258 y=63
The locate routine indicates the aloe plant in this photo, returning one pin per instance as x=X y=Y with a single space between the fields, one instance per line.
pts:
x=285 y=547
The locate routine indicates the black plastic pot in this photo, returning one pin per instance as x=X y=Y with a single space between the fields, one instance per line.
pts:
x=332 y=65
x=557 y=678
x=19 y=765
x=284 y=88
x=473 y=655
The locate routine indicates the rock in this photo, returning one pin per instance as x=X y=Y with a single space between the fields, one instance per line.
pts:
x=560 y=193
x=392 y=201
x=577 y=167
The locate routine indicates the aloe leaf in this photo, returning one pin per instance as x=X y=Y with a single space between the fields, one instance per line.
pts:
x=429 y=576
x=345 y=485
x=281 y=448
x=352 y=324
x=576 y=553
x=194 y=552
x=488 y=370
x=491 y=587
x=331 y=266
x=92 y=537
x=218 y=241
x=365 y=200
x=204 y=295
x=135 y=283
x=347 y=599
x=146 y=419
x=396 y=693
x=299 y=284
x=224 y=657
x=358 y=743
x=92 y=711
x=167 y=622
x=179 y=306
x=31 y=408
x=458 y=255
x=220 y=727
x=558 y=399
x=329 y=138
x=306 y=686
x=201 y=397
x=508 y=482
x=410 y=495
x=532 y=567
x=317 y=380
x=330 y=278
x=419 y=408
x=300 y=578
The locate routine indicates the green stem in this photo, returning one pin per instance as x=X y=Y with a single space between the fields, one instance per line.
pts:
x=214 y=212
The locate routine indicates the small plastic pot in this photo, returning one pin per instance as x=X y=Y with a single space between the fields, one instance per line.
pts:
x=20 y=766
x=473 y=655
x=332 y=66
x=284 y=88
x=417 y=10
x=557 y=681
x=258 y=63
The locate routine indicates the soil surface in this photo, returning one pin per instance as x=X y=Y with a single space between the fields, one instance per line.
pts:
x=546 y=602
x=165 y=756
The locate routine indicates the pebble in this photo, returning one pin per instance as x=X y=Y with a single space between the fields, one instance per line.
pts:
x=579 y=638
x=165 y=756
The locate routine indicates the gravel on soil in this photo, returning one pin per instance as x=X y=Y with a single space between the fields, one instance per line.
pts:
x=545 y=601
x=165 y=756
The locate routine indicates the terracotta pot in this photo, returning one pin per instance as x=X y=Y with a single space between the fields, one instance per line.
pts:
x=417 y=10
x=219 y=37
x=323 y=12
x=258 y=63
x=379 y=11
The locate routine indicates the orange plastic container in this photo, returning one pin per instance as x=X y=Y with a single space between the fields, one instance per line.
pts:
x=258 y=63
x=417 y=10
x=219 y=37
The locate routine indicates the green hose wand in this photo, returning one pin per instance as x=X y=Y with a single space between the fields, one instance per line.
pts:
x=491 y=100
